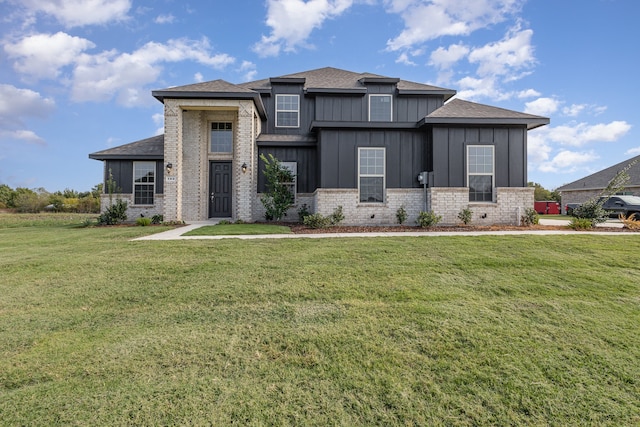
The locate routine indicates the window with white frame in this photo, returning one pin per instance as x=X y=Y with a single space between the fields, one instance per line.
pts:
x=380 y=108
x=292 y=186
x=144 y=182
x=371 y=174
x=480 y=172
x=221 y=137
x=288 y=111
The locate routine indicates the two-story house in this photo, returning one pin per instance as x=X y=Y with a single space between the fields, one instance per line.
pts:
x=366 y=142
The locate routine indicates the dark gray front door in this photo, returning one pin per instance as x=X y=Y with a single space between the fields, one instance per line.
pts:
x=219 y=189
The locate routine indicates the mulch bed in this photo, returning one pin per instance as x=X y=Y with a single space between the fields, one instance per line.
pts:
x=302 y=229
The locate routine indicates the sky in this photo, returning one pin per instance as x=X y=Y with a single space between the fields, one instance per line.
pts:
x=76 y=75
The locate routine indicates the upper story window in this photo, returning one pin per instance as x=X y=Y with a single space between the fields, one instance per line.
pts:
x=288 y=111
x=221 y=137
x=380 y=108
x=371 y=174
x=480 y=172
x=144 y=182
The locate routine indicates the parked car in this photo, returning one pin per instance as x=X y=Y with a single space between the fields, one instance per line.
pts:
x=623 y=205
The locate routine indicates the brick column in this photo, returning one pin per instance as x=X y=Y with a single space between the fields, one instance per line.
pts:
x=173 y=154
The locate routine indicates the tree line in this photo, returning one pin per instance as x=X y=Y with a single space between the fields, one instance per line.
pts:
x=37 y=200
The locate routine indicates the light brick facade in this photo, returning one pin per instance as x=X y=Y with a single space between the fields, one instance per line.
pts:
x=133 y=212
x=187 y=130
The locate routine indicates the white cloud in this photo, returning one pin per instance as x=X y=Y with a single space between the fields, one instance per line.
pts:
x=248 y=68
x=16 y=106
x=445 y=58
x=292 y=22
x=124 y=75
x=78 y=13
x=165 y=19
x=567 y=162
x=158 y=119
x=633 y=151
x=43 y=55
x=573 y=110
x=506 y=57
x=198 y=77
x=542 y=106
x=529 y=93
x=426 y=20
x=404 y=59
x=580 y=134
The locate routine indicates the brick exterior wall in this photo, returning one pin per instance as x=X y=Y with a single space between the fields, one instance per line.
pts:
x=187 y=148
x=510 y=205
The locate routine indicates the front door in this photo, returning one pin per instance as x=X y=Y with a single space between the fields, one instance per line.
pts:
x=219 y=189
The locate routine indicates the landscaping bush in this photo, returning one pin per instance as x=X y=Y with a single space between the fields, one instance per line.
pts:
x=530 y=217
x=316 y=220
x=632 y=222
x=114 y=214
x=401 y=215
x=157 y=219
x=143 y=221
x=303 y=211
x=428 y=219
x=465 y=215
x=581 y=223
x=337 y=216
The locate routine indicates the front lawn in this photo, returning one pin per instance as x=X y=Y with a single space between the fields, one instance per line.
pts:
x=238 y=229
x=494 y=330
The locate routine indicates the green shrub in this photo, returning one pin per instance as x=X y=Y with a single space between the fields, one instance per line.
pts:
x=224 y=222
x=428 y=219
x=465 y=216
x=592 y=209
x=114 y=214
x=581 y=223
x=530 y=217
x=157 y=219
x=143 y=221
x=337 y=216
x=278 y=197
x=317 y=221
x=303 y=211
x=401 y=215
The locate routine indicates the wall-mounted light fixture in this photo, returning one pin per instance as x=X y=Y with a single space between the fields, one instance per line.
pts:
x=244 y=168
x=169 y=168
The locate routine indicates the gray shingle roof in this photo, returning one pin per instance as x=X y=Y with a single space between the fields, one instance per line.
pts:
x=458 y=111
x=145 y=149
x=212 y=86
x=335 y=78
x=601 y=179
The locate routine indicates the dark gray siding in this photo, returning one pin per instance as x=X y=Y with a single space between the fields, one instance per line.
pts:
x=122 y=172
x=356 y=108
x=307 y=110
x=449 y=154
x=338 y=151
x=307 y=166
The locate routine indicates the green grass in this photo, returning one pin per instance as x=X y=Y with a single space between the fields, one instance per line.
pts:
x=238 y=229
x=494 y=330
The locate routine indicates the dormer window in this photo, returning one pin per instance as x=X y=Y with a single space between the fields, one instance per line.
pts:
x=287 y=111
x=380 y=108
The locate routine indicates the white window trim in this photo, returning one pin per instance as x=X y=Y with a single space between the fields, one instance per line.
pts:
x=288 y=111
x=493 y=170
x=155 y=178
x=384 y=175
x=390 y=104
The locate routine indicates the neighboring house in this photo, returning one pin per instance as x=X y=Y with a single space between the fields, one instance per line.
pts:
x=578 y=192
x=354 y=140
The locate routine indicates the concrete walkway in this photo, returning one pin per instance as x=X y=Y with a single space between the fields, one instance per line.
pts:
x=177 y=233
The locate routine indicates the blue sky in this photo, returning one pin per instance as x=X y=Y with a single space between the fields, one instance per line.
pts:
x=76 y=75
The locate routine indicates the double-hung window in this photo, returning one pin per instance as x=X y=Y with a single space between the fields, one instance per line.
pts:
x=144 y=181
x=480 y=172
x=371 y=174
x=380 y=108
x=221 y=137
x=288 y=111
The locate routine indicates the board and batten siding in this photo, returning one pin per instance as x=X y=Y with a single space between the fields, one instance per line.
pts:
x=306 y=159
x=338 y=154
x=450 y=151
x=122 y=173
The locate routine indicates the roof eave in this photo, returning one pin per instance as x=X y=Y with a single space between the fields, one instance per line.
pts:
x=447 y=94
x=98 y=156
x=161 y=95
x=531 y=123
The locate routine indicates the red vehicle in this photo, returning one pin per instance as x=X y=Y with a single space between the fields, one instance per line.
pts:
x=549 y=207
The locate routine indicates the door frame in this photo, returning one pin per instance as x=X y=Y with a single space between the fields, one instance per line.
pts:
x=211 y=183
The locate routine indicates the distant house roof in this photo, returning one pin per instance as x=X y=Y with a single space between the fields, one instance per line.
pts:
x=600 y=180
x=458 y=111
x=145 y=149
